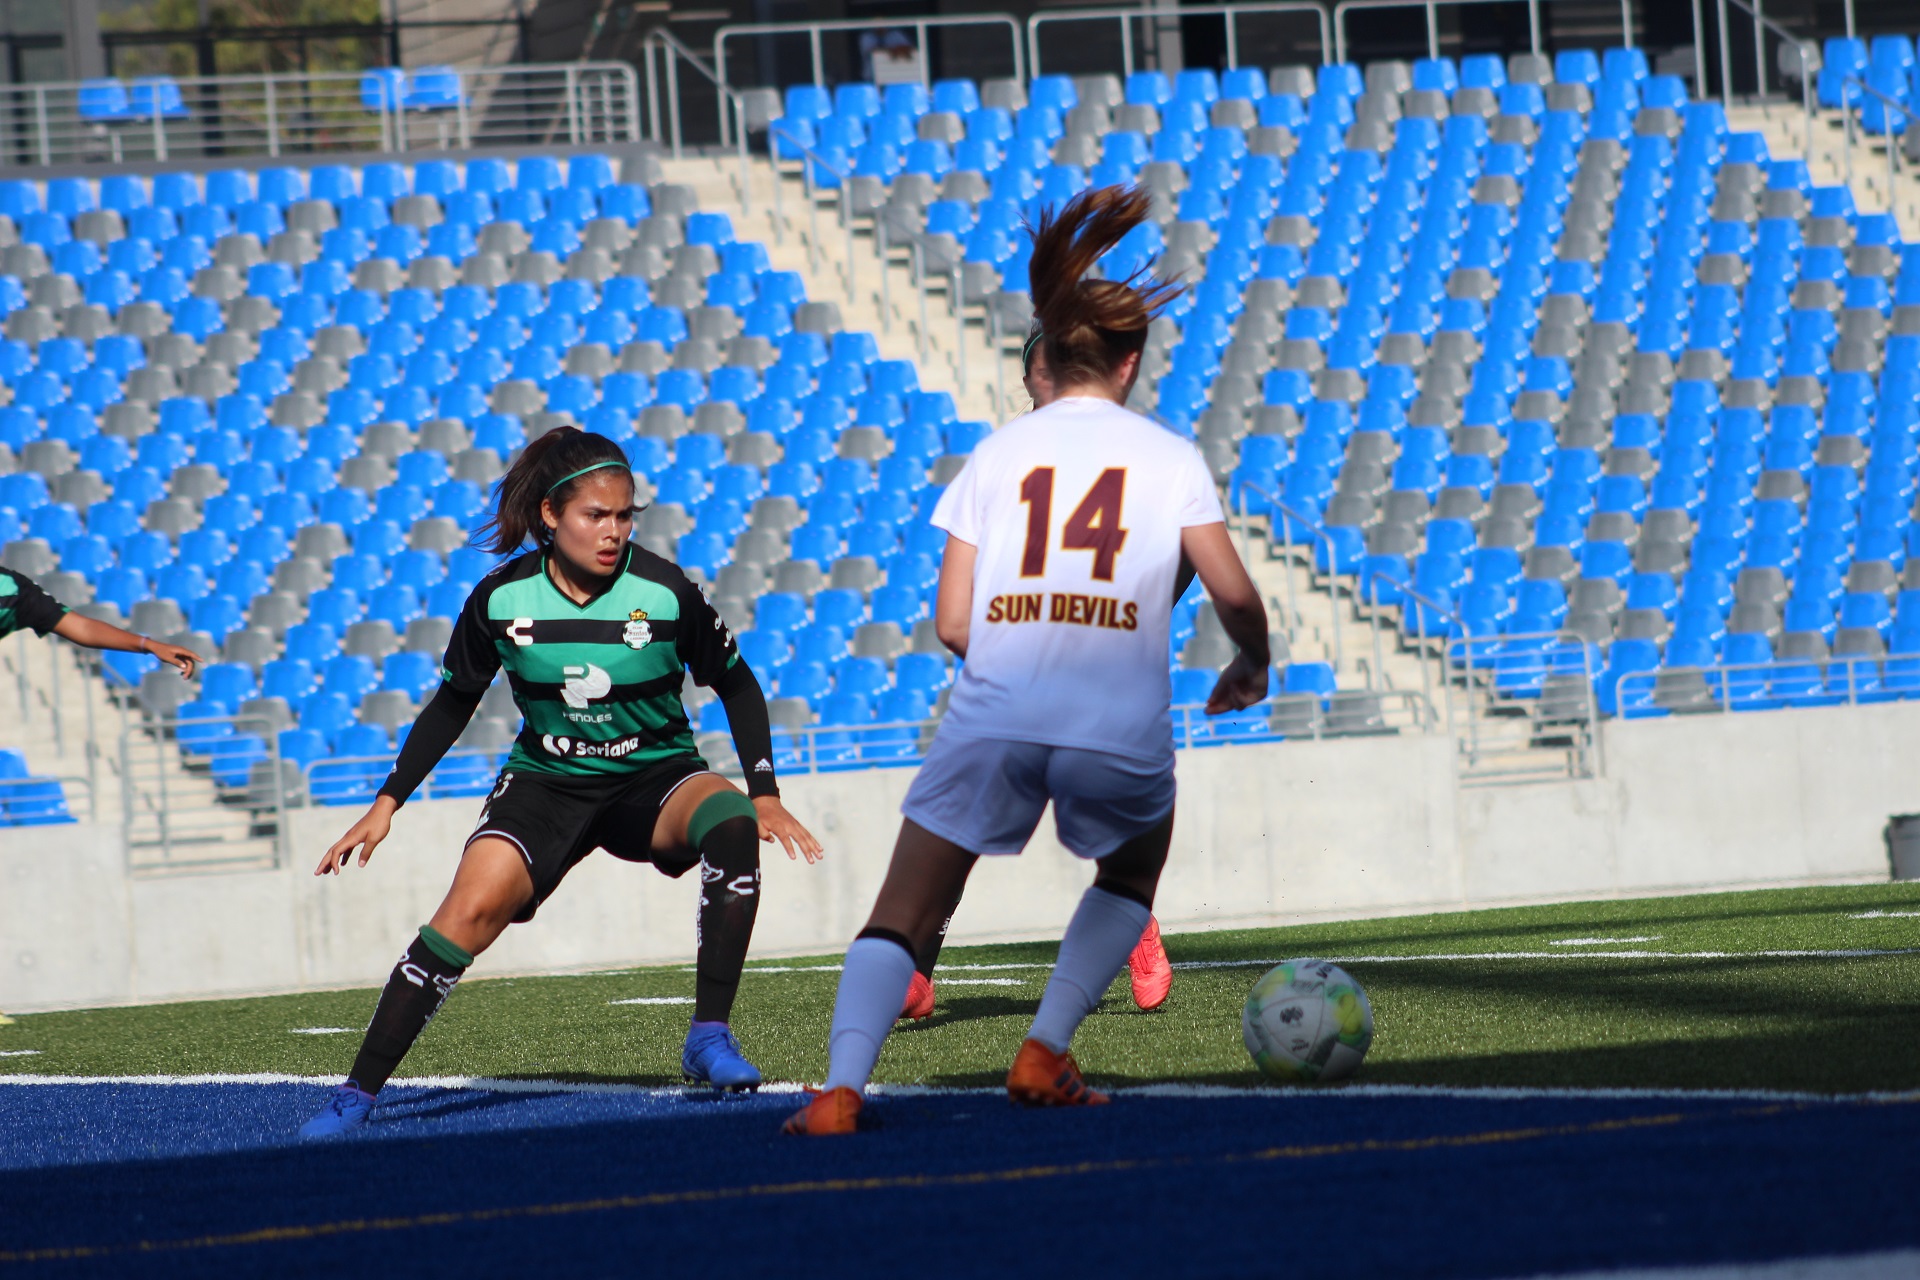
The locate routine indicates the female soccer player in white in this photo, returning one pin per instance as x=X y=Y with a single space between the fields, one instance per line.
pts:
x=1150 y=972
x=1065 y=533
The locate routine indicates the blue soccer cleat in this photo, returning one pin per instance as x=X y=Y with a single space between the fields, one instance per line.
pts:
x=346 y=1111
x=713 y=1057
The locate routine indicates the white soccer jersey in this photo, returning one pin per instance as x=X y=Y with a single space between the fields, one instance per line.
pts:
x=1077 y=511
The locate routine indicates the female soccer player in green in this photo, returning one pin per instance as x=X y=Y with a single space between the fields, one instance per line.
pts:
x=595 y=633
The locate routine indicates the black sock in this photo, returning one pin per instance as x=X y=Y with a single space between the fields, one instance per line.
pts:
x=420 y=984
x=930 y=954
x=729 y=900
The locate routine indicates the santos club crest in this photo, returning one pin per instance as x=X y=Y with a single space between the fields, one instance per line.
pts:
x=637 y=633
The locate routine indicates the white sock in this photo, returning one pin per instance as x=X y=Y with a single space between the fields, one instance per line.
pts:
x=1105 y=929
x=873 y=987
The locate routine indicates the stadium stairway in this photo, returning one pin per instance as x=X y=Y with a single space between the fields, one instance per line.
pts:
x=1327 y=628
x=63 y=711
x=822 y=264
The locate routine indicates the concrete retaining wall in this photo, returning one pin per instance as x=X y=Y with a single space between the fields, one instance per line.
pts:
x=1265 y=835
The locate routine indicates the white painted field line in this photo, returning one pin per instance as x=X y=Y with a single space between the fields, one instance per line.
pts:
x=1858 y=953
x=1852 y=953
x=321 y=1031
x=1902 y=1264
x=1278 y=1093
x=655 y=1000
x=985 y=982
x=1601 y=942
x=20 y=1053
x=1887 y=915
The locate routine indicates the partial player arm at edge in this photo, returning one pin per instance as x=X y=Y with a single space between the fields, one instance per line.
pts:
x=95 y=634
x=1242 y=614
x=435 y=730
x=953 y=607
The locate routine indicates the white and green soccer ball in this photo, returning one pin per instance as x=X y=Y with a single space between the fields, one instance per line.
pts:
x=1306 y=1022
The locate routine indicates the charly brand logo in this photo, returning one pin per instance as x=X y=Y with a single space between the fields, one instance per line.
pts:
x=637 y=634
x=520 y=631
x=584 y=684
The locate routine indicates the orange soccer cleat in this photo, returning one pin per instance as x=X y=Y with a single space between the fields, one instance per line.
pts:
x=1042 y=1078
x=919 y=999
x=833 y=1111
x=1149 y=968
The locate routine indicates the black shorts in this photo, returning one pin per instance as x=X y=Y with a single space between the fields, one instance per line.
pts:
x=556 y=820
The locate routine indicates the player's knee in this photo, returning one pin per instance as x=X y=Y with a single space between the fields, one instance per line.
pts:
x=475 y=921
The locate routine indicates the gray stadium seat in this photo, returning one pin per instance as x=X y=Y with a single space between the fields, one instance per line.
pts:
x=388 y=708
x=373 y=638
x=264 y=716
x=428 y=635
x=275 y=611
x=250 y=646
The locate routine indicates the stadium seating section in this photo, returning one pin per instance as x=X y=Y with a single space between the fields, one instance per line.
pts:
x=1541 y=344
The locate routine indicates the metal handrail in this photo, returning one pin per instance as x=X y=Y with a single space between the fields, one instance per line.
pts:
x=810 y=157
x=276 y=112
x=1555 y=638
x=814 y=30
x=1719 y=682
x=1425 y=602
x=1432 y=8
x=1762 y=24
x=1127 y=16
x=1316 y=530
x=671 y=46
x=1893 y=146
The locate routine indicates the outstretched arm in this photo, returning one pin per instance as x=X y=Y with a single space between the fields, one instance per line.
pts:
x=435 y=730
x=95 y=634
x=1237 y=601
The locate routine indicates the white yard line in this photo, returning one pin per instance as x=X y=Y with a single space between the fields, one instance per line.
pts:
x=1852 y=953
x=1601 y=942
x=1277 y=1093
x=1902 y=1264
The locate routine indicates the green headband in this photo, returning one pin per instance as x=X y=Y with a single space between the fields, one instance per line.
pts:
x=1026 y=352
x=575 y=475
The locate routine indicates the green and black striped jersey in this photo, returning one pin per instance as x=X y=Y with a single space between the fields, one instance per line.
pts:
x=598 y=683
x=24 y=605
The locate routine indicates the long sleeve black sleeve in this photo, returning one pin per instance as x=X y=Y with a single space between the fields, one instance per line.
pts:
x=435 y=730
x=752 y=731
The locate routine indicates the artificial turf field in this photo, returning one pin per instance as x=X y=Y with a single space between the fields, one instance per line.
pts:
x=1675 y=1081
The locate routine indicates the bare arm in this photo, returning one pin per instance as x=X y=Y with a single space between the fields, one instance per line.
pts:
x=1237 y=601
x=953 y=608
x=95 y=634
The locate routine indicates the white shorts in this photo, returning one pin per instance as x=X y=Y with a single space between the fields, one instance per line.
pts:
x=987 y=795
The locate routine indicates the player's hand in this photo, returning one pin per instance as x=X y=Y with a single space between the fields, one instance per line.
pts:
x=364 y=835
x=1240 y=686
x=777 y=824
x=175 y=656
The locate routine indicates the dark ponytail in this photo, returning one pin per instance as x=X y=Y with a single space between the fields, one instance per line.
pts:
x=545 y=469
x=1091 y=325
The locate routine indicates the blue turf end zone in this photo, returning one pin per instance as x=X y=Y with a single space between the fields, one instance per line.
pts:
x=118 y=1179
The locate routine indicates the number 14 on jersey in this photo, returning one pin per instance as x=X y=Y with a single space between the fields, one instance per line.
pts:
x=1094 y=525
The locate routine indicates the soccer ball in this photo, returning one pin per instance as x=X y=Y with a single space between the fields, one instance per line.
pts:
x=1307 y=1021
